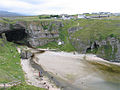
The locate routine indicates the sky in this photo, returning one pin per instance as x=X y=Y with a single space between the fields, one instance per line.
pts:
x=37 y=7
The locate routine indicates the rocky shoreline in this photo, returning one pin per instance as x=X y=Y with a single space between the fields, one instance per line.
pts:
x=32 y=74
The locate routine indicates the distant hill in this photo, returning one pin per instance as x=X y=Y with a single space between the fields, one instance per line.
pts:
x=9 y=14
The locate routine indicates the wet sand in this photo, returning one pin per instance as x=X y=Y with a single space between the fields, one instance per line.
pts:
x=85 y=72
x=32 y=76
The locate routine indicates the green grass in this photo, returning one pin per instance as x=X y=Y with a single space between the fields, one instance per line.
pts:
x=64 y=36
x=24 y=87
x=93 y=29
x=50 y=45
x=33 y=18
x=6 y=20
x=10 y=68
x=97 y=29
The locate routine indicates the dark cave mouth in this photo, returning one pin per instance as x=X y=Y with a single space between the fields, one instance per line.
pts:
x=94 y=49
x=17 y=36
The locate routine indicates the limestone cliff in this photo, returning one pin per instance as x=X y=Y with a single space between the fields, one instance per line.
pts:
x=100 y=37
x=108 y=48
x=38 y=33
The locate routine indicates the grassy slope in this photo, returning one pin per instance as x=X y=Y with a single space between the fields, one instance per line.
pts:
x=10 y=68
x=93 y=29
x=97 y=29
x=25 y=87
x=64 y=36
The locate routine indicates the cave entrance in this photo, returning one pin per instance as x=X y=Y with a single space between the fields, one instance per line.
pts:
x=17 y=36
x=92 y=49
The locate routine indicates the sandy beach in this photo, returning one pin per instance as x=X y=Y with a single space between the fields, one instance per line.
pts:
x=32 y=76
x=77 y=70
x=74 y=71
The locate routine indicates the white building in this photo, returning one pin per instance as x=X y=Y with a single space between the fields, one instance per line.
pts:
x=65 y=17
x=81 y=16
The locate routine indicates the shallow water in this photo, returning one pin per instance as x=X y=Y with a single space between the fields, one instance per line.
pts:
x=77 y=74
x=99 y=85
x=106 y=76
x=105 y=86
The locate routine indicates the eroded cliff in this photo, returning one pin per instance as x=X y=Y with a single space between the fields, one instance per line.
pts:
x=100 y=37
x=33 y=33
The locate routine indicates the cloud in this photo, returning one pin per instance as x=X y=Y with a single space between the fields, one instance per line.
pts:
x=59 y=6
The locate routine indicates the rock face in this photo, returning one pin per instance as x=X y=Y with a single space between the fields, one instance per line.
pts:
x=25 y=54
x=41 y=33
x=38 y=32
x=8 y=27
x=108 y=48
x=74 y=29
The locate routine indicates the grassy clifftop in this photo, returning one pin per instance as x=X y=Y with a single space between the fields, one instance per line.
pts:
x=101 y=37
x=97 y=29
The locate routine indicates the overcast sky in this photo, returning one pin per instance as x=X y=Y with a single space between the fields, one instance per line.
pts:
x=59 y=6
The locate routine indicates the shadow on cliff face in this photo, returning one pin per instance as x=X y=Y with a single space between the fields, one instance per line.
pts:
x=17 y=36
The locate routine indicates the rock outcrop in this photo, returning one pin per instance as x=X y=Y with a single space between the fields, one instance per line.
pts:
x=38 y=32
x=42 y=33
x=26 y=54
x=108 y=48
x=74 y=29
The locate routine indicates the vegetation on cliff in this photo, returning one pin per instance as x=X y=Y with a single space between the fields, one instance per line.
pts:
x=101 y=37
x=63 y=36
x=10 y=68
x=96 y=32
x=84 y=35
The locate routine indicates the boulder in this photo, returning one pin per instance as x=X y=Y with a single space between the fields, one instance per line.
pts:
x=26 y=54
